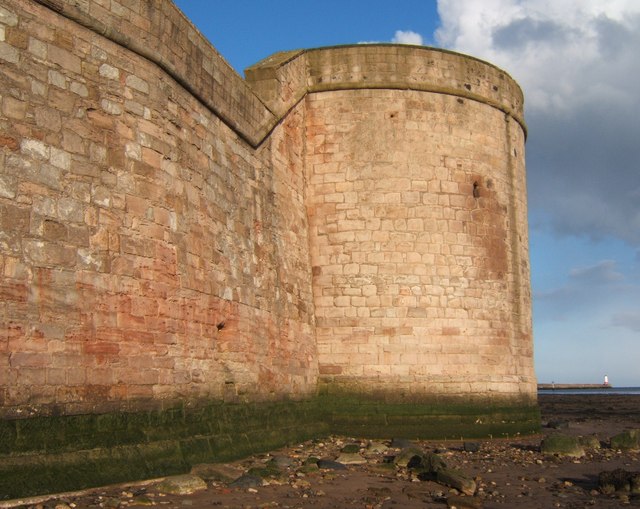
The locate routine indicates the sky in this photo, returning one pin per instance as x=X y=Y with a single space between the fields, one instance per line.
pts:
x=577 y=63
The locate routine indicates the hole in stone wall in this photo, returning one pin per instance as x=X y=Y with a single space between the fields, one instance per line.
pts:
x=476 y=190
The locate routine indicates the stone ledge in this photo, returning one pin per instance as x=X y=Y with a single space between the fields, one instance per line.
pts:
x=282 y=79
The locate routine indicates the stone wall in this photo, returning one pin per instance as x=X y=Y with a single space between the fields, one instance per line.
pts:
x=195 y=266
x=149 y=253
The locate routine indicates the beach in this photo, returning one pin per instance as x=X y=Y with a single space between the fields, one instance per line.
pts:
x=506 y=472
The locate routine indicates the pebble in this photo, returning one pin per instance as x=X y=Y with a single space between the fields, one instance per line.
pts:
x=406 y=455
x=347 y=458
x=376 y=448
x=471 y=446
x=180 y=485
x=330 y=465
x=246 y=481
x=350 y=449
x=282 y=461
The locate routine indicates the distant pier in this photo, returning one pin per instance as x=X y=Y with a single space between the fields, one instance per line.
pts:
x=546 y=387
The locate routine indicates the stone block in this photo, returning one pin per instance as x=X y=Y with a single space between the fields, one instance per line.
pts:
x=137 y=83
x=8 y=17
x=64 y=58
x=111 y=107
x=8 y=53
x=13 y=108
x=43 y=253
x=79 y=89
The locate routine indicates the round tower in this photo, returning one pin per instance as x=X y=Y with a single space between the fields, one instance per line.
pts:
x=417 y=212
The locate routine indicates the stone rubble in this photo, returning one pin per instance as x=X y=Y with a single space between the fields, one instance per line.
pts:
x=453 y=474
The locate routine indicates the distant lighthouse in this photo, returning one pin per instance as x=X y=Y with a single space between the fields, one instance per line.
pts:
x=606 y=380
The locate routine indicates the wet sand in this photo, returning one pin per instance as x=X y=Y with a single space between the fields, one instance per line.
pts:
x=507 y=472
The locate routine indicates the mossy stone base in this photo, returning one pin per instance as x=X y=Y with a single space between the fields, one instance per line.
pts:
x=63 y=453
x=365 y=416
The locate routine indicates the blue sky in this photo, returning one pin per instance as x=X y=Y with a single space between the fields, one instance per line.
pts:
x=577 y=64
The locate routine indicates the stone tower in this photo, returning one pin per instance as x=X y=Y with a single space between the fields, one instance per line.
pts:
x=416 y=201
x=196 y=266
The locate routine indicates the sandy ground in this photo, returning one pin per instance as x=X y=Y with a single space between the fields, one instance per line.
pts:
x=507 y=473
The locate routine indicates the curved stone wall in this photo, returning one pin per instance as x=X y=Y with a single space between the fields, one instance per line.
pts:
x=194 y=266
x=417 y=210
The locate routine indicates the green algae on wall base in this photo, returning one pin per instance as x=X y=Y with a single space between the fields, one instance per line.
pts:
x=61 y=453
x=357 y=416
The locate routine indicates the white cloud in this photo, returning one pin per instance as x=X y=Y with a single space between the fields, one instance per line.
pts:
x=578 y=66
x=564 y=52
x=407 y=37
x=402 y=37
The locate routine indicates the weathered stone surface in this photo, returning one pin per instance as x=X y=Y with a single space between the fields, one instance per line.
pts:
x=351 y=448
x=181 y=485
x=268 y=470
x=171 y=233
x=456 y=479
x=471 y=446
x=433 y=462
x=562 y=445
x=376 y=447
x=589 y=442
x=330 y=465
x=282 y=461
x=247 y=481
x=162 y=185
x=403 y=458
x=627 y=440
x=310 y=465
x=351 y=458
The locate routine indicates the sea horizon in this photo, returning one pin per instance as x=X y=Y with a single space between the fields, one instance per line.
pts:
x=603 y=390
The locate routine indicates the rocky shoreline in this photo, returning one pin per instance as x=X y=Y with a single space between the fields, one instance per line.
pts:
x=588 y=454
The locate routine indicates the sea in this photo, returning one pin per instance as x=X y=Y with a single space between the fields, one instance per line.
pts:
x=627 y=391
